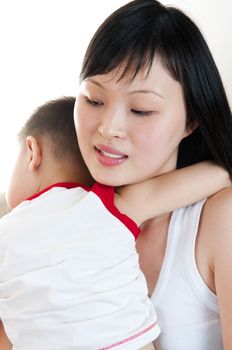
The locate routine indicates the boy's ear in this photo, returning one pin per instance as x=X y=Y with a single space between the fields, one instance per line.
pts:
x=34 y=153
x=190 y=127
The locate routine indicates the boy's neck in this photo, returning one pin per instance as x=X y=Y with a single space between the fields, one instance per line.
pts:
x=65 y=173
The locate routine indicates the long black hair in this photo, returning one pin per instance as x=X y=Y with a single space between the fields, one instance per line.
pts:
x=131 y=36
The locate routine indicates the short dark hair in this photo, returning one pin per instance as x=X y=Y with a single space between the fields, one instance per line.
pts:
x=55 y=119
x=142 y=28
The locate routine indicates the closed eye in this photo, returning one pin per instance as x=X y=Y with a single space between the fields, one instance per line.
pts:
x=141 y=113
x=93 y=103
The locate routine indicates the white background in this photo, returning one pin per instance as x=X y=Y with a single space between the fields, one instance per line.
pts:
x=43 y=42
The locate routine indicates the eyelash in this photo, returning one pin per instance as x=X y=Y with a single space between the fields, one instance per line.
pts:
x=138 y=113
x=93 y=103
x=141 y=113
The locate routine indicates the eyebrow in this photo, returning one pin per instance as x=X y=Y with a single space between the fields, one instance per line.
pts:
x=143 y=91
x=147 y=92
x=96 y=83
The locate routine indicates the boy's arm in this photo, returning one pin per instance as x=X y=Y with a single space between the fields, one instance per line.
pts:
x=170 y=191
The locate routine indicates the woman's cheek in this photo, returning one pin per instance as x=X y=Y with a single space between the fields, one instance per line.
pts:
x=86 y=125
x=86 y=130
x=81 y=118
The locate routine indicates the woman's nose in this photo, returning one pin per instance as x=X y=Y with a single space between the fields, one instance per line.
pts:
x=113 y=124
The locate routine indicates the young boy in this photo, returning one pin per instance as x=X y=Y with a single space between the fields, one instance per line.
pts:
x=69 y=271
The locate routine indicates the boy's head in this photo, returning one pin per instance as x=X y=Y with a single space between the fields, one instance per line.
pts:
x=48 y=153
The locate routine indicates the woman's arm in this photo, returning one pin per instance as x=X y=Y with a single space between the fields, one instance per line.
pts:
x=216 y=239
x=4 y=341
x=172 y=190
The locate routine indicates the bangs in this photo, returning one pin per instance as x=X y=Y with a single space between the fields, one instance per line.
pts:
x=125 y=41
x=128 y=62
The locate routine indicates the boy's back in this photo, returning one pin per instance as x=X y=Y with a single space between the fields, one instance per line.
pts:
x=78 y=284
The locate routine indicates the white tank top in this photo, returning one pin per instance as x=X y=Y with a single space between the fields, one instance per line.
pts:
x=187 y=309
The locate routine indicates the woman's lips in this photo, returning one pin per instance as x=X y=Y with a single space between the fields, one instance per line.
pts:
x=109 y=156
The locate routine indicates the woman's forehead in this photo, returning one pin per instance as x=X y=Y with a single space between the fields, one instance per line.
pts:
x=157 y=79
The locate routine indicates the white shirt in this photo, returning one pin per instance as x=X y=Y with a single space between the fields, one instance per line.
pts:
x=69 y=274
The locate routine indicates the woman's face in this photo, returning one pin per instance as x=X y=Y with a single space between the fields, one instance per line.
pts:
x=129 y=131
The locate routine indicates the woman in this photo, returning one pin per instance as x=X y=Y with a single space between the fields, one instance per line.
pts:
x=151 y=99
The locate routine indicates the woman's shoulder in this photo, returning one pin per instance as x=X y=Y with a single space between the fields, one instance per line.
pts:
x=215 y=228
x=214 y=239
x=218 y=207
x=217 y=212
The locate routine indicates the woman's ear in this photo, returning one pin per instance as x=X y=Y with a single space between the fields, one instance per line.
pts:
x=34 y=153
x=190 y=127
